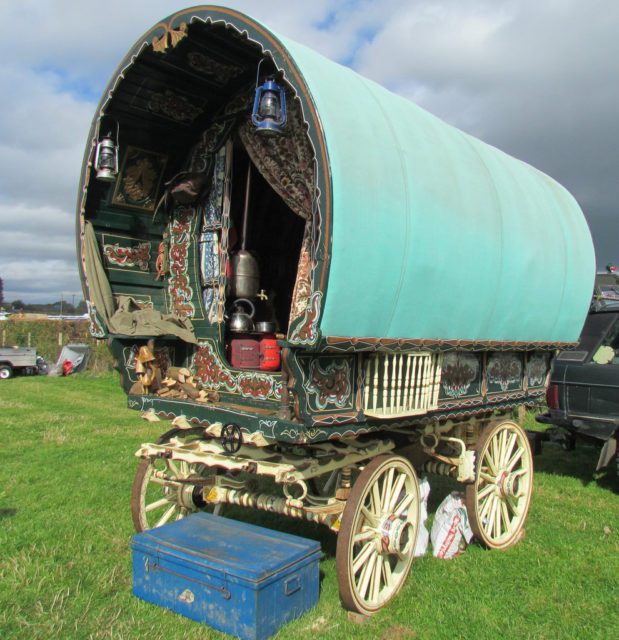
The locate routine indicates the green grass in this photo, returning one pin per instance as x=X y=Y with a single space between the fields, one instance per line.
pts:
x=66 y=471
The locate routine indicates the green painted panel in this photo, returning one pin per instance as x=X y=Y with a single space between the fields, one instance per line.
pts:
x=437 y=235
x=461 y=375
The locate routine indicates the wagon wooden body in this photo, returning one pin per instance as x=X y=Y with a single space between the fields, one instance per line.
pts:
x=415 y=283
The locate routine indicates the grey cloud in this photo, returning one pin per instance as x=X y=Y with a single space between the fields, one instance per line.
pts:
x=25 y=247
x=39 y=280
x=538 y=80
x=48 y=80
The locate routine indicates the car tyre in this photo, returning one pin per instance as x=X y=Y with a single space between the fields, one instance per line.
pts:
x=5 y=372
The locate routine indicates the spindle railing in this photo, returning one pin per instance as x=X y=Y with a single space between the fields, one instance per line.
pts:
x=401 y=384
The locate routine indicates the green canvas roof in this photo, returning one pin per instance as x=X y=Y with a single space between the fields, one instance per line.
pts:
x=437 y=235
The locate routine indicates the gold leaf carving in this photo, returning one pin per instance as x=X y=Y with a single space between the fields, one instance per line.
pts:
x=160 y=44
x=170 y=38
x=176 y=35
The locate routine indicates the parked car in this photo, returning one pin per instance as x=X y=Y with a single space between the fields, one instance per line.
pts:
x=21 y=360
x=583 y=395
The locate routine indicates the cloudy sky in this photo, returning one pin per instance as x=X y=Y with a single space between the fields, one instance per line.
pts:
x=539 y=80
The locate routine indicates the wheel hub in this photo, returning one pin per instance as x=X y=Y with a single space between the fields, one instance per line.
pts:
x=509 y=484
x=395 y=536
x=512 y=485
x=185 y=496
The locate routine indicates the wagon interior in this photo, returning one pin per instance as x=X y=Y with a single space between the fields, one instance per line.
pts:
x=182 y=120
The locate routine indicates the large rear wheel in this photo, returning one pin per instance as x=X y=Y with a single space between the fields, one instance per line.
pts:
x=378 y=533
x=498 y=501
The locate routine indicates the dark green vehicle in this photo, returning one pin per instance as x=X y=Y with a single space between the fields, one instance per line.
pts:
x=583 y=395
x=320 y=284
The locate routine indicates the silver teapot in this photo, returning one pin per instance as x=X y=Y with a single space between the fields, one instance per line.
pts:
x=241 y=322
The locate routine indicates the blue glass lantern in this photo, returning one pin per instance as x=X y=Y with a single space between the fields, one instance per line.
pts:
x=269 y=112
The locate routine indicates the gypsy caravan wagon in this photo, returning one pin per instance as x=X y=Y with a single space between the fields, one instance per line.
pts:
x=326 y=289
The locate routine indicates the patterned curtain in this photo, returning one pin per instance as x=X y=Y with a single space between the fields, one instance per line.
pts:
x=211 y=141
x=285 y=161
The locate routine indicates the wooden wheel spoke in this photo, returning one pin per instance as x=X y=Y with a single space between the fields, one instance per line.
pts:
x=387 y=488
x=160 y=481
x=376 y=578
x=487 y=477
x=486 y=501
x=511 y=503
x=483 y=493
x=166 y=516
x=500 y=445
x=362 y=557
x=387 y=575
x=514 y=459
x=508 y=444
x=395 y=493
x=371 y=518
x=367 y=574
x=509 y=447
x=505 y=516
x=484 y=511
x=368 y=534
x=490 y=463
x=494 y=449
x=156 y=505
x=497 y=517
x=375 y=499
x=406 y=501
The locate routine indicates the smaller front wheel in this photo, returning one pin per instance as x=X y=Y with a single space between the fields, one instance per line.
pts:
x=5 y=372
x=163 y=490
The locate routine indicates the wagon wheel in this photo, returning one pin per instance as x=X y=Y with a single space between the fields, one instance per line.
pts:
x=156 y=501
x=378 y=533
x=498 y=501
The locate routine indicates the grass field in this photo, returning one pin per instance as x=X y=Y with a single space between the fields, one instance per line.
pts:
x=66 y=471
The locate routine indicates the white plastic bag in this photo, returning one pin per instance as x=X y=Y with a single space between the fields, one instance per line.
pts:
x=451 y=531
x=423 y=536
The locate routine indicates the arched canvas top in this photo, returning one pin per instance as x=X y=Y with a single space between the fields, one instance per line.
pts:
x=436 y=235
x=420 y=233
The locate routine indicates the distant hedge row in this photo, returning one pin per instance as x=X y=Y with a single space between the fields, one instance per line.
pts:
x=49 y=336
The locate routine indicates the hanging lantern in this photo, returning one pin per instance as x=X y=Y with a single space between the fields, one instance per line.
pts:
x=269 y=112
x=106 y=158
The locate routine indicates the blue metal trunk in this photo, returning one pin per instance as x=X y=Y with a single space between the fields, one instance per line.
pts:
x=238 y=578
